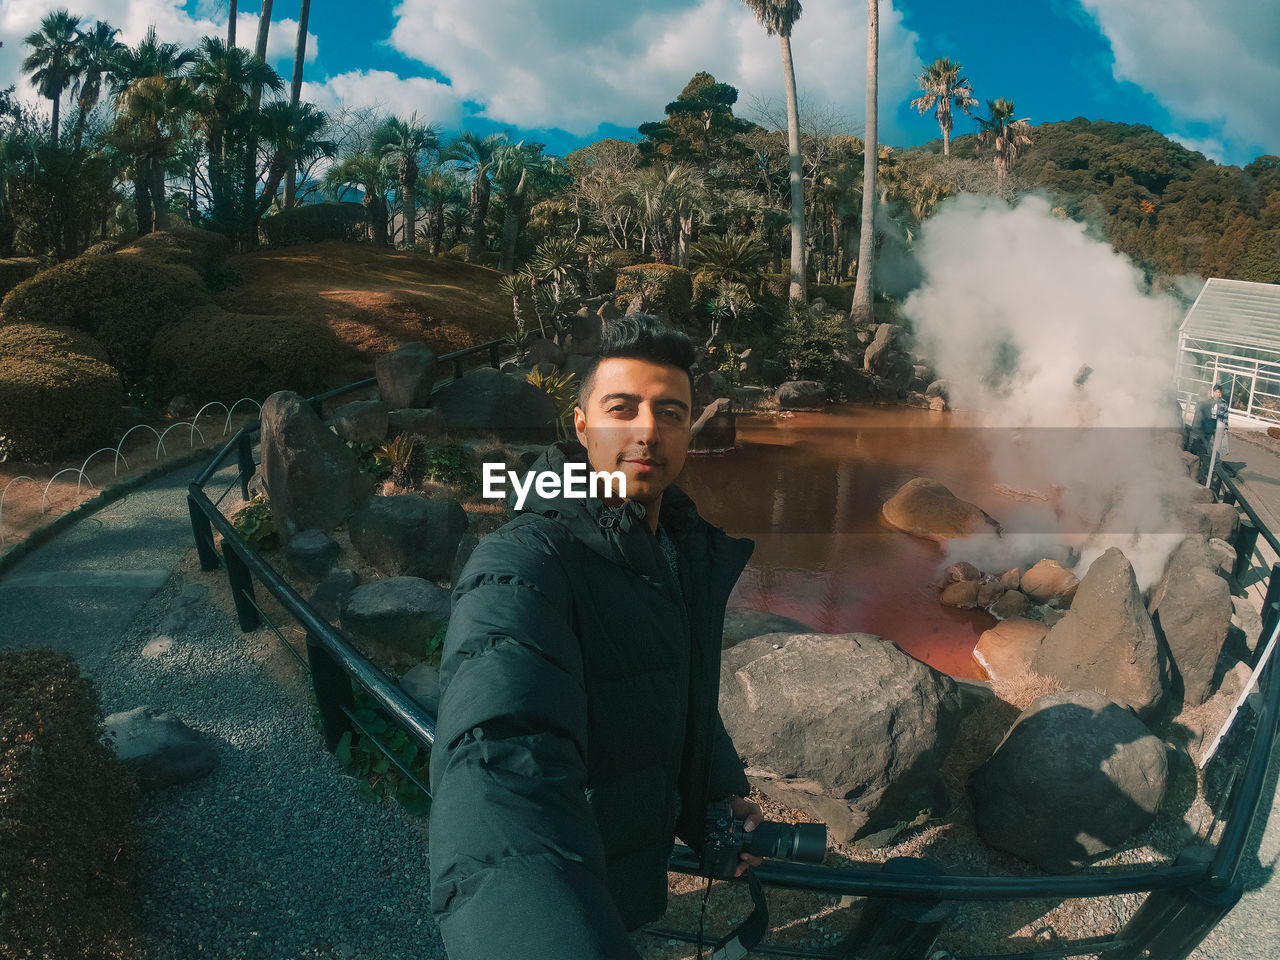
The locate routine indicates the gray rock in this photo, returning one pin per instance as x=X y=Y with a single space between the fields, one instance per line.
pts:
x=856 y=385
x=708 y=386
x=400 y=612
x=1010 y=605
x=1191 y=611
x=361 y=421
x=1218 y=520
x=939 y=388
x=742 y=624
x=416 y=422
x=1076 y=776
x=485 y=399
x=332 y=589
x=802 y=395
x=545 y=351
x=311 y=553
x=158 y=748
x=1106 y=641
x=311 y=476
x=423 y=684
x=846 y=727
x=715 y=429
x=406 y=376
x=1224 y=557
x=408 y=534
x=879 y=357
x=1246 y=621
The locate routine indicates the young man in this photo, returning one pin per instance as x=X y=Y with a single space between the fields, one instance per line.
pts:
x=578 y=730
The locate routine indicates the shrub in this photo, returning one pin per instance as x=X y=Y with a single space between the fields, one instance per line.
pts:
x=315 y=223
x=56 y=405
x=217 y=355
x=809 y=342
x=13 y=272
x=122 y=300
x=204 y=251
x=457 y=252
x=662 y=284
x=628 y=258
x=778 y=285
x=256 y=525
x=837 y=296
x=39 y=340
x=706 y=287
x=69 y=864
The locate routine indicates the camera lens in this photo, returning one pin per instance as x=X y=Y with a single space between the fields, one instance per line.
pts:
x=800 y=841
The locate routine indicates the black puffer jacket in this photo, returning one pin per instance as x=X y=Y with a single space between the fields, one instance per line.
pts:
x=578 y=718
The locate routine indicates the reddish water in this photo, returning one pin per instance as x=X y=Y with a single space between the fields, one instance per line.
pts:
x=808 y=490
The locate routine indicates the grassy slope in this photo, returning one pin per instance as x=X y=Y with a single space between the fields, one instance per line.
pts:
x=374 y=300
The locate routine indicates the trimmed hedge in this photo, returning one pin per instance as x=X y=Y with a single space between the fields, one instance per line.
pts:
x=69 y=860
x=705 y=288
x=314 y=223
x=225 y=356
x=122 y=300
x=202 y=250
x=628 y=258
x=675 y=287
x=13 y=272
x=58 y=395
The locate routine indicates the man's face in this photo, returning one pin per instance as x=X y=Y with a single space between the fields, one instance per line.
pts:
x=637 y=420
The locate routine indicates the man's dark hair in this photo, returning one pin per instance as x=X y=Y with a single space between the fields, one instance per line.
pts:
x=640 y=336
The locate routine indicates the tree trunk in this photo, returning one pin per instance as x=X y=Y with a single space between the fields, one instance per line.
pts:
x=435 y=229
x=142 y=199
x=798 y=281
x=57 y=111
x=479 y=210
x=511 y=224
x=409 y=207
x=379 y=222
x=231 y=26
x=160 y=209
x=249 y=203
x=295 y=94
x=862 y=311
x=946 y=141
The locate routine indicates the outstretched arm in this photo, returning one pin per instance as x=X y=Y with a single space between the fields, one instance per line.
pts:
x=517 y=864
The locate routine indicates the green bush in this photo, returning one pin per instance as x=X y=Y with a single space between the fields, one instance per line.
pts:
x=315 y=223
x=837 y=296
x=122 y=300
x=778 y=285
x=808 y=343
x=13 y=272
x=40 y=340
x=457 y=252
x=204 y=251
x=69 y=862
x=217 y=355
x=628 y=258
x=55 y=406
x=672 y=287
x=706 y=286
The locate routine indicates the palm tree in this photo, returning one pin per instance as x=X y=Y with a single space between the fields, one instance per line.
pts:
x=150 y=120
x=231 y=24
x=52 y=60
x=294 y=133
x=1004 y=134
x=739 y=259
x=295 y=93
x=861 y=311
x=779 y=16
x=149 y=58
x=476 y=156
x=402 y=145
x=515 y=165
x=367 y=173
x=943 y=86
x=597 y=252
x=441 y=192
x=95 y=58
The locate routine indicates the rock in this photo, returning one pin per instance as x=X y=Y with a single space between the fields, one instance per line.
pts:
x=937 y=404
x=406 y=376
x=1047 y=582
x=1106 y=641
x=1011 y=604
x=311 y=476
x=855 y=384
x=920 y=374
x=715 y=428
x=485 y=399
x=1011 y=579
x=159 y=646
x=1051 y=616
x=845 y=727
x=742 y=624
x=925 y=508
x=708 y=386
x=423 y=684
x=545 y=351
x=409 y=535
x=962 y=570
x=401 y=612
x=584 y=333
x=1218 y=520
x=939 y=388
x=749 y=364
x=332 y=589
x=1191 y=611
x=1007 y=650
x=879 y=357
x=989 y=592
x=1076 y=776
x=1246 y=620
x=802 y=395
x=466 y=546
x=361 y=421
x=1191 y=463
x=1224 y=558
x=963 y=594
x=311 y=553
x=748 y=397
x=158 y=748
x=544 y=369
x=416 y=421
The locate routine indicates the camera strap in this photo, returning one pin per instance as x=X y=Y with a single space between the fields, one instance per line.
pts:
x=743 y=938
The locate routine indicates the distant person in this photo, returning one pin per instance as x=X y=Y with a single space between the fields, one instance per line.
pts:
x=1209 y=413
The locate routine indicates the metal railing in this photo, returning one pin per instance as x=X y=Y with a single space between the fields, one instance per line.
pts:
x=1185 y=899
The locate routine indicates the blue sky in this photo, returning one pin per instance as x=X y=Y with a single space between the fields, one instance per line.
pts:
x=569 y=71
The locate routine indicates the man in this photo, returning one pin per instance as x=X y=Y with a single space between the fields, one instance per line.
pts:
x=1205 y=427
x=578 y=729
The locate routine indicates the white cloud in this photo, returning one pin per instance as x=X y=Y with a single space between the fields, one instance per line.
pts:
x=574 y=64
x=1207 y=63
x=433 y=101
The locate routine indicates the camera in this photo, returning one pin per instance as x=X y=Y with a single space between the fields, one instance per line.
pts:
x=725 y=838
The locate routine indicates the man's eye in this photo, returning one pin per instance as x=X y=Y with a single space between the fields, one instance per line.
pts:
x=617 y=408
x=672 y=414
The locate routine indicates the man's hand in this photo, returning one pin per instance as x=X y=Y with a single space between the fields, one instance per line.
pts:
x=752 y=816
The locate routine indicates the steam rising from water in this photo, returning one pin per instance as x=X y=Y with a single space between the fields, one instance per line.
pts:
x=1039 y=327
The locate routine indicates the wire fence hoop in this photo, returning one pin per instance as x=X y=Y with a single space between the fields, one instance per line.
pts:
x=227 y=425
x=140 y=426
x=84 y=476
x=180 y=423
x=44 y=499
x=5 y=493
x=211 y=403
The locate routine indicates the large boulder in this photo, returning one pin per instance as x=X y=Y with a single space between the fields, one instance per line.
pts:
x=409 y=535
x=487 y=399
x=406 y=376
x=158 y=748
x=400 y=612
x=845 y=727
x=1076 y=776
x=1048 y=582
x=311 y=553
x=417 y=421
x=361 y=421
x=742 y=624
x=715 y=429
x=1106 y=641
x=1191 y=610
x=311 y=476
x=802 y=395
x=1007 y=650
x=925 y=508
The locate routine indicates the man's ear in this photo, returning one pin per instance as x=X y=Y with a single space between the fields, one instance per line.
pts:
x=580 y=425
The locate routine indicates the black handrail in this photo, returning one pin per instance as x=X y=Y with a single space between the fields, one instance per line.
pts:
x=1186 y=899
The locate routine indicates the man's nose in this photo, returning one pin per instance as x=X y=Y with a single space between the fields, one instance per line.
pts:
x=645 y=426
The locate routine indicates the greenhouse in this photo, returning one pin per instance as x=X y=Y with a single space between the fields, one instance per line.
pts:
x=1231 y=336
